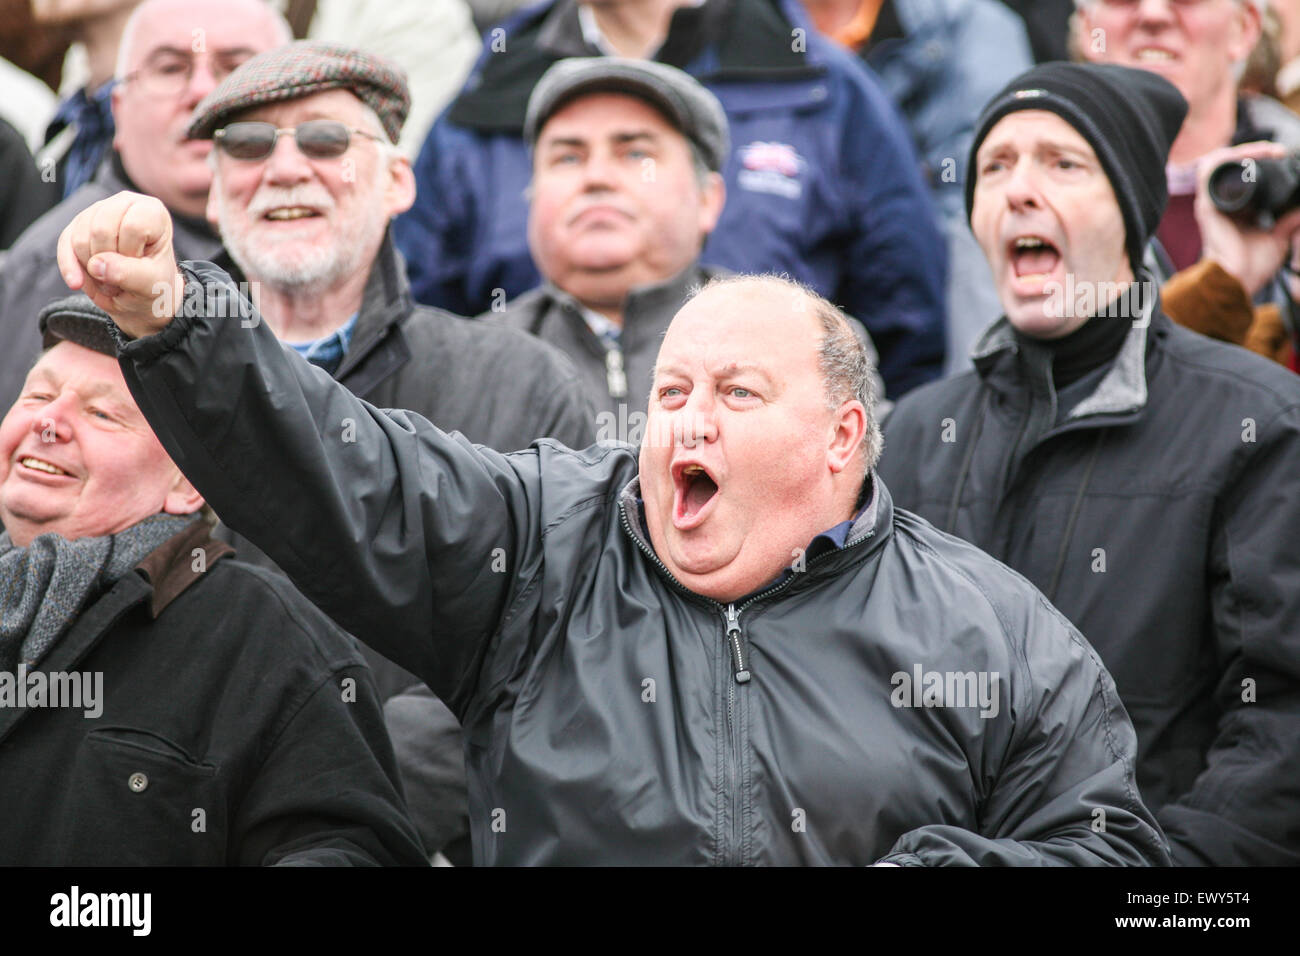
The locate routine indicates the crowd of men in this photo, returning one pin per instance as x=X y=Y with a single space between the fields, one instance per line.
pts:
x=724 y=432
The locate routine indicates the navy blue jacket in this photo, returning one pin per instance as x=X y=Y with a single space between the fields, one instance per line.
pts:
x=823 y=182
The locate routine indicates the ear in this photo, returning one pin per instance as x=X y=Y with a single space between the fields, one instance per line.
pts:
x=1248 y=26
x=712 y=198
x=211 y=211
x=182 y=498
x=115 y=107
x=400 y=194
x=847 y=430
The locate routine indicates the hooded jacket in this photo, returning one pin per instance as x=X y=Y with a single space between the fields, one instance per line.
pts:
x=822 y=182
x=235 y=726
x=1159 y=514
x=606 y=712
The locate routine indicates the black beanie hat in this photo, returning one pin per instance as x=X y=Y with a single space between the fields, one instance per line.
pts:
x=1129 y=116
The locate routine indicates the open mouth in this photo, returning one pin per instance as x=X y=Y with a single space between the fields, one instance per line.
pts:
x=37 y=464
x=286 y=213
x=1033 y=257
x=694 y=492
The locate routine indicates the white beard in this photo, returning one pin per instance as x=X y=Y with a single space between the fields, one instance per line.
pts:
x=290 y=266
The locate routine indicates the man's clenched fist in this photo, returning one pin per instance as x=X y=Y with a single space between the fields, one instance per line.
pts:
x=119 y=252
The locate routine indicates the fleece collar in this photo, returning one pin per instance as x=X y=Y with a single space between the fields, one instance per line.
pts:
x=1122 y=390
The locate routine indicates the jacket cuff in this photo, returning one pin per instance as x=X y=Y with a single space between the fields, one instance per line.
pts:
x=902 y=859
x=150 y=347
x=1207 y=299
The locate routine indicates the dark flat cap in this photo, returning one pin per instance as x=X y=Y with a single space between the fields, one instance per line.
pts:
x=301 y=69
x=76 y=319
x=679 y=96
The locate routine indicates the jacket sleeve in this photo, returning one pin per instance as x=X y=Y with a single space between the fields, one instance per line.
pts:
x=408 y=537
x=1244 y=808
x=434 y=235
x=1206 y=299
x=328 y=791
x=1065 y=792
x=895 y=259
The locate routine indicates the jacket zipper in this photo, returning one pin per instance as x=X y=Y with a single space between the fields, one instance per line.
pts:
x=615 y=375
x=735 y=639
x=735 y=743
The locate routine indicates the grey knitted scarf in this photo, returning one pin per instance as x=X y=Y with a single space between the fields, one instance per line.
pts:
x=44 y=585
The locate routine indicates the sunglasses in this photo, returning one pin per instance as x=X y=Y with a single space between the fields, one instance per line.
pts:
x=317 y=139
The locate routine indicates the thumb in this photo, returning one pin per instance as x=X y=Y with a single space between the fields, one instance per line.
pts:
x=134 y=276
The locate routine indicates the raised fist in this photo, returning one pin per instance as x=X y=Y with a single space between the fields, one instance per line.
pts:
x=119 y=252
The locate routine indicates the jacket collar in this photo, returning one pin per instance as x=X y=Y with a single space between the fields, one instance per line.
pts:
x=170 y=568
x=648 y=308
x=174 y=565
x=751 y=37
x=386 y=302
x=1122 y=390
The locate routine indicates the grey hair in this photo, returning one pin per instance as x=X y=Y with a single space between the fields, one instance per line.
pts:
x=843 y=358
x=284 y=35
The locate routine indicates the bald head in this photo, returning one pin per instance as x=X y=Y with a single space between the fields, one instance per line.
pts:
x=760 y=436
x=269 y=28
x=843 y=359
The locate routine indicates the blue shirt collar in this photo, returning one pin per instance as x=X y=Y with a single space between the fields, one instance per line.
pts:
x=328 y=351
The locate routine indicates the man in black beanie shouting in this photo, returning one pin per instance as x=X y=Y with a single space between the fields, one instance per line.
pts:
x=1141 y=475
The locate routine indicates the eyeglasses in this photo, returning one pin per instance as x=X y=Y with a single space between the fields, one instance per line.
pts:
x=168 y=72
x=317 y=139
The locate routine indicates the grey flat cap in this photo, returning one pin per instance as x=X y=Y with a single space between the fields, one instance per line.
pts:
x=77 y=319
x=301 y=69
x=680 y=97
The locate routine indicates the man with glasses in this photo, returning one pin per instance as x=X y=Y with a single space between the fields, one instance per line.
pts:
x=172 y=54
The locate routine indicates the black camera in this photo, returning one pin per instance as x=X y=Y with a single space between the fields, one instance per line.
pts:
x=1258 y=190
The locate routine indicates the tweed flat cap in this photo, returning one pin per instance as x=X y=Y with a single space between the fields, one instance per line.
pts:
x=679 y=96
x=76 y=319
x=301 y=69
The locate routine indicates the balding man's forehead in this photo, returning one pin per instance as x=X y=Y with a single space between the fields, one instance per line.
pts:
x=231 y=27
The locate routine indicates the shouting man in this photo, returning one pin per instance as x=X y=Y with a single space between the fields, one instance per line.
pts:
x=1139 y=473
x=729 y=648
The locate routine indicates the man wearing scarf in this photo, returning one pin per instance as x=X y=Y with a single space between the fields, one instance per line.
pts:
x=1140 y=474
x=218 y=717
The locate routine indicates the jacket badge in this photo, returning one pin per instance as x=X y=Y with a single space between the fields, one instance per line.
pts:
x=771 y=168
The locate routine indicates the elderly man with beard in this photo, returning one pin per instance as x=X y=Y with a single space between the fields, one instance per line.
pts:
x=160 y=702
x=1141 y=474
x=729 y=648
x=172 y=54
x=306 y=176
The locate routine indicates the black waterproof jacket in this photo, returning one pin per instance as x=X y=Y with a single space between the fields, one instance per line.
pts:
x=604 y=709
x=235 y=726
x=1161 y=514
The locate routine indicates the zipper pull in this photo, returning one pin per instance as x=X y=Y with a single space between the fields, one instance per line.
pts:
x=615 y=377
x=737 y=648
